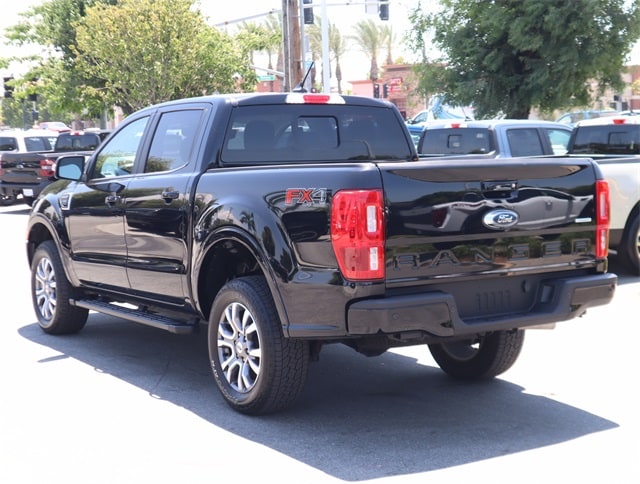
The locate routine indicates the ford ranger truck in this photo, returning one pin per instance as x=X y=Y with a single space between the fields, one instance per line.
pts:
x=283 y=222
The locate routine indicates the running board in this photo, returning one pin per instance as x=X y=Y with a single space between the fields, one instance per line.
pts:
x=137 y=316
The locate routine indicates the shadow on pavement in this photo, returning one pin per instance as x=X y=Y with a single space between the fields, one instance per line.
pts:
x=354 y=411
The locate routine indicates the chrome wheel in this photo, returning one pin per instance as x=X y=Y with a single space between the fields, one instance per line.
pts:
x=45 y=289
x=52 y=293
x=239 y=347
x=256 y=368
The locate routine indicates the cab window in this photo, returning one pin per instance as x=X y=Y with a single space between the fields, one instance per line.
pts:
x=117 y=156
x=173 y=140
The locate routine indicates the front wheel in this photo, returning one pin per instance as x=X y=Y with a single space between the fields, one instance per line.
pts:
x=51 y=292
x=479 y=358
x=255 y=367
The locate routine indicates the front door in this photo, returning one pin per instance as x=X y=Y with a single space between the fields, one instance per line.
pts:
x=95 y=214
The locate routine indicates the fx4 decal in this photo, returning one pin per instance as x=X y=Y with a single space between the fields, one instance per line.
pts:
x=306 y=196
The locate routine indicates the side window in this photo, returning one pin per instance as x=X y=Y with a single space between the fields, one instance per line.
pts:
x=173 y=140
x=117 y=156
x=559 y=140
x=524 y=142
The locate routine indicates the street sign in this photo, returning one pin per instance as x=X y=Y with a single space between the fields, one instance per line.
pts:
x=267 y=77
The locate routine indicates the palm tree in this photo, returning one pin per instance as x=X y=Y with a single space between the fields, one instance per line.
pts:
x=370 y=37
x=264 y=37
x=337 y=47
x=389 y=41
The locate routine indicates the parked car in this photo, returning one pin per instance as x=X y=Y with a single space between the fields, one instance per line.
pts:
x=497 y=138
x=55 y=126
x=575 y=116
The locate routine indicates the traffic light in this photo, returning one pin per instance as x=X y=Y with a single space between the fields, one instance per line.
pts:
x=308 y=12
x=8 y=89
x=385 y=90
x=383 y=10
x=376 y=90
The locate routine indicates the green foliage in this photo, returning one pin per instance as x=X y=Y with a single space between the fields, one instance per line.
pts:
x=96 y=54
x=149 y=51
x=508 y=56
x=371 y=38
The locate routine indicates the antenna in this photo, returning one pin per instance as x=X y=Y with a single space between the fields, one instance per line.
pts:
x=300 y=86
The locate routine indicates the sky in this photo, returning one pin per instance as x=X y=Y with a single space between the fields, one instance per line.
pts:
x=342 y=13
x=228 y=15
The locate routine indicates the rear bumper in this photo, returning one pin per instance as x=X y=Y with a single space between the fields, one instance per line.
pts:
x=436 y=314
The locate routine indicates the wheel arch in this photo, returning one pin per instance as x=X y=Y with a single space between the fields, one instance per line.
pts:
x=229 y=253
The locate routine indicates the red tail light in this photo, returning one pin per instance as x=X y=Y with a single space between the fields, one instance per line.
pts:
x=602 y=219
x=357 y=233
x=47 y=167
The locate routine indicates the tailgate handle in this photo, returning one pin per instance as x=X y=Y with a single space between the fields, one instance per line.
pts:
x=499 y=186
x=499 y=189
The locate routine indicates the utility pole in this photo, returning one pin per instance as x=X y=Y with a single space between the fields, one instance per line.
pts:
x=291 y=41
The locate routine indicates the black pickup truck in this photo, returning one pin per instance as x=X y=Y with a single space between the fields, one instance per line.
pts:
x=25 y=174
x=284 y=222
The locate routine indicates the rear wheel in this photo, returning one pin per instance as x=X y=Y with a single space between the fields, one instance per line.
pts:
x=255 y=367
x=480 y=358
x=51 y=292
x=630 y=245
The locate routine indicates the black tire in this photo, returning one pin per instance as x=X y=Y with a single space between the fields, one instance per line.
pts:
x=481 y=358
x=51 y=291
x=630 y=246
x=257 y=369
x=28 y=200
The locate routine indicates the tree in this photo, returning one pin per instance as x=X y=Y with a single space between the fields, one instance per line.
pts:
x=370 y=37
x=149 y=51
x=265 y=37
x=508 y=56
x=337 y=47
x=61 y=87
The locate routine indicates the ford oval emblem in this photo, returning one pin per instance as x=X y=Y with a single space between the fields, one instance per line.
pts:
x=500 y=219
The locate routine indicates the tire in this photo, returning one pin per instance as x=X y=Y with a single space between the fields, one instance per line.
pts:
x=28 y=200
x=482 y=358
x=257 y=369
x=630 y=246
x=51 y=291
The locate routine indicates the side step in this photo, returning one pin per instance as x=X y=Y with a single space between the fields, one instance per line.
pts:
x=137 y=316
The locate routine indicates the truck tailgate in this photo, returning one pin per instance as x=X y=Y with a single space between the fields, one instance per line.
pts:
x=452 y=219
x=23 y=168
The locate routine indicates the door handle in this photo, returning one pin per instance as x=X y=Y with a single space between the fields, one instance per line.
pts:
x=169 y=195
x=112 y=199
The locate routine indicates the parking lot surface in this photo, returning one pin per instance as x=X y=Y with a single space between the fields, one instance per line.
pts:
x=124 y=403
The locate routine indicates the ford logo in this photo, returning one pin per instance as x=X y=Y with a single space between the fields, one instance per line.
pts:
x=500 y=219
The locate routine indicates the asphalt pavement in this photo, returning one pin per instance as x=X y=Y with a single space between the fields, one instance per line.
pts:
x=124 y=403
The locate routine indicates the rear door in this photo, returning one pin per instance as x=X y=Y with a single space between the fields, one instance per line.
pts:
x=158 y=205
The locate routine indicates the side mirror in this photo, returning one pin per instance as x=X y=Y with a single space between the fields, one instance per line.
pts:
x=70 y=167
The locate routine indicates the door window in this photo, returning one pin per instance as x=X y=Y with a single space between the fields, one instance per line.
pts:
x=117 y=156
x=173 y=140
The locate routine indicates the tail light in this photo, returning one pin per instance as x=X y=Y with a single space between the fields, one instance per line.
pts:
x=602 y=219
x=47 y=167
x=357 y=233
